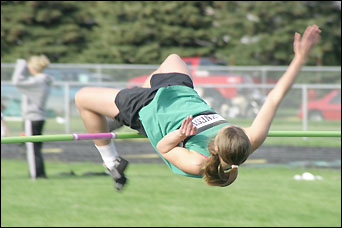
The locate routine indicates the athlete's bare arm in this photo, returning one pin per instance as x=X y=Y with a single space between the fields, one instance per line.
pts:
x=257 y=132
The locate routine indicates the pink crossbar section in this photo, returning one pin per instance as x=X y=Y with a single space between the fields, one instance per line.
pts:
x=111 y=135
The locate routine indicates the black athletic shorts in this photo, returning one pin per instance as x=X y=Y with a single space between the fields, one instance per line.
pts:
x=129 y=101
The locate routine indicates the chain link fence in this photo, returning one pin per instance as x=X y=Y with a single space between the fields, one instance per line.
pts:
x=236 y=93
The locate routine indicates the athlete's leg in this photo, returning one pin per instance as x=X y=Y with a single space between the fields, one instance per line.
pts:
x=94 y=104
x=172 y=64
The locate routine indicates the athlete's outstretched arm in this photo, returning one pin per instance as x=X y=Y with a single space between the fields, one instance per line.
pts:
x=302 y=46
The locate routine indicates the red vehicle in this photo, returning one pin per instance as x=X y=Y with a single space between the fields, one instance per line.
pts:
x=224 y=100
x=326 y=108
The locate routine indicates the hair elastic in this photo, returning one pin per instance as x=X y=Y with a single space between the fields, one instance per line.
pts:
x=234 y=166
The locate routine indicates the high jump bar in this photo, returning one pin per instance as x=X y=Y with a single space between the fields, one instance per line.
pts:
x=113 y=135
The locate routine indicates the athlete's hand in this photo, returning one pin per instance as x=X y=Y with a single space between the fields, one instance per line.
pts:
x=187 y=128
x=303 y=45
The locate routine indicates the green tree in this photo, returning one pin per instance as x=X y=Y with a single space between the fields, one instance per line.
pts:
x=146 y=32
x=55 y=28
x=262 y=32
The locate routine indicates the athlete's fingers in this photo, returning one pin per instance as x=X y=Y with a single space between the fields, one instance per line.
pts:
x=307 y=32
x=194 y=130
x=186 y=124
x=187 y=128
x=182 y=128
x=189 y=125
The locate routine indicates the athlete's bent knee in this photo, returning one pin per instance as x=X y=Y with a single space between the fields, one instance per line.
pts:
x=173 y=56
x=81 y=96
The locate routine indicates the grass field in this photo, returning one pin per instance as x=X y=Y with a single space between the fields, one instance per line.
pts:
x=260 y=197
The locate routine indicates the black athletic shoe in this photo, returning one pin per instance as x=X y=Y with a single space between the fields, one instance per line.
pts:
x=117 y=172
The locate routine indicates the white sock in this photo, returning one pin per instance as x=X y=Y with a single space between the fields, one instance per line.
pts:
x=108 y=154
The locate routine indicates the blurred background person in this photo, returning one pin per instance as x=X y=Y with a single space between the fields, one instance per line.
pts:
x=35 y=86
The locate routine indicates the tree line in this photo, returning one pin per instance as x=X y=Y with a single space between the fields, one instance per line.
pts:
x=145 y=32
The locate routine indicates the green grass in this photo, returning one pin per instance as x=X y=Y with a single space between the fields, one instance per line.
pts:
x=267 y=196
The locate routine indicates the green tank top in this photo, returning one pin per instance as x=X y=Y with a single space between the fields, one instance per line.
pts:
x=165 y=113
